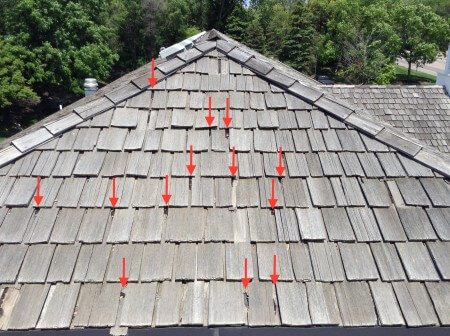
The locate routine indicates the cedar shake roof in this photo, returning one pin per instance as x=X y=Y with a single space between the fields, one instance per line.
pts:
x=361 y=228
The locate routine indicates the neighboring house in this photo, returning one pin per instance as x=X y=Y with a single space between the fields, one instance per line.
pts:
x=360 y=230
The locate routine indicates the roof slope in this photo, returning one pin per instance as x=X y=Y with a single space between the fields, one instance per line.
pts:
x=422 y=111
x=361 y=229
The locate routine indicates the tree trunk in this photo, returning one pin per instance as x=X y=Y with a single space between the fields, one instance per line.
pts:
x=409 y=71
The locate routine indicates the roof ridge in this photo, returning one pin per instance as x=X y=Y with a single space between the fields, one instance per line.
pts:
x=271 y=70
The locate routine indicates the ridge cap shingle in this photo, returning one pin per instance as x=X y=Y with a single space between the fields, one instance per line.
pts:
x=271 y=71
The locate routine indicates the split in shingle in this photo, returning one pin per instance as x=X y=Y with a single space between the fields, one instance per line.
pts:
x=351 y=164
x=65 y=164
x=376 y=193
x=415 y=304
x=386 y=303
x=266 y=251
x=15 y=224
x=114 y=164
x=28 y=307
x=262 y=225
x=440 y=252
x=138 y=164
x=148 y=225
x=337 y=224
x=267 y=119
x=326 y=262
x=137 y=309
x=440 y=218
x=321 y=192
x=89 y=164
x=316 y=140
x=439 y=293
x=202 y=192
x=70 y=192
x=93 y=226
x=63 y=263
x=45 y=164
x=11 y=257
x=438 y=190
x=323 y=305
x=293 y=304
x=134 y=140
x=67 y=225
x=412 y=192
x=364 y=224
x=86 y=139
x=416 y=223
x=371 y=165
x=358 y=261
x=287 y=226
x=301 y=261
x=311 y=224
x=417 y=261
x=36 y=263
x=356 y=304
x=235 y=255
x=391 y=164
x=297 y=165
x=22 y=192
x=121 y=226
x=105 y=307
x=94 y=192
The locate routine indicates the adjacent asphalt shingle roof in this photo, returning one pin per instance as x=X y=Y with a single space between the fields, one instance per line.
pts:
x=361 y=230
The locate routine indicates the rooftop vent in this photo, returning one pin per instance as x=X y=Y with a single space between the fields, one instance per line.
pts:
x=90 y=86
x=443 y=78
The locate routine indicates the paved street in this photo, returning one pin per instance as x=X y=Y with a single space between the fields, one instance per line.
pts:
x=432 y=68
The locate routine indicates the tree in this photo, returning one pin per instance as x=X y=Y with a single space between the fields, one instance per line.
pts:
x=254 y=35
x=299 y=46
x=238 y=22
x=66 y=40
x=423 y=34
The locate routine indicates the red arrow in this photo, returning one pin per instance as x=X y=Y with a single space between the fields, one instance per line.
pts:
x=227 y=119
x=245 y=280
x=38 y=197
x=280 y=167
x=209 y=118
x=166 y=196
x=274 y=276
x=113 y=199
x=233 y=168
x=191 y=166
x=123 y=279
x=152 y=79
x=272 y=199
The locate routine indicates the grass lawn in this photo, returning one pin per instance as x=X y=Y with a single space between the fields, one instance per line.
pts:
x=417 y=77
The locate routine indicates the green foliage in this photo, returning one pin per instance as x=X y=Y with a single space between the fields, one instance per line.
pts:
x=15 y=67
x=423 y=34
x=66 y=40
x=299 y=47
